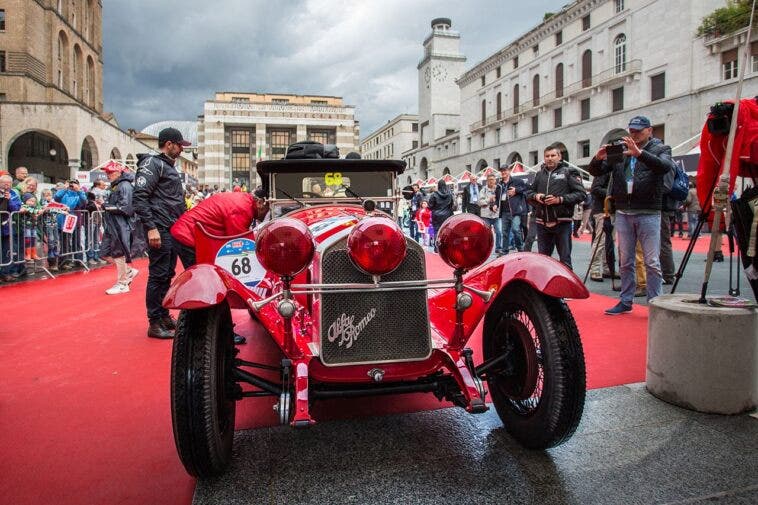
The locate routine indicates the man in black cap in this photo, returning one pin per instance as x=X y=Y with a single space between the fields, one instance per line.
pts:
x=637 y=188
x=159 y=201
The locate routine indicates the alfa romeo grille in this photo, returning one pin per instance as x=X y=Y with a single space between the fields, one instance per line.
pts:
x=373 y=326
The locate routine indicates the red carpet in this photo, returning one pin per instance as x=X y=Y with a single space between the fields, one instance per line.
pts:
x=678 y=244
x=84 y=407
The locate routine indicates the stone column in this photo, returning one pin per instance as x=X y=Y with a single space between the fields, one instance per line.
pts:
x=302 y=133
x=73 y=167
x=260 y=143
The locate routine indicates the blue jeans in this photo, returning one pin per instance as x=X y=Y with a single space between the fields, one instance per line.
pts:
x=413 y=230
x=5 y=254
x=512 y=224
x=497 y=224
x=645 y=229
x=692 y=218
x=555 y=237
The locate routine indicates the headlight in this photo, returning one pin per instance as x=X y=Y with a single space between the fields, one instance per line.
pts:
x=376 y=245
x=464 y=241
x=284 y=246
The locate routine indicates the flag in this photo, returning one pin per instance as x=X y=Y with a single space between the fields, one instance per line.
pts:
x=260 y=153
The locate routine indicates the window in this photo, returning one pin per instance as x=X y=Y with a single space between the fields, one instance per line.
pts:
x=484 y=80
x=280 y=101
x=557 y=117
x=414 y=144
x=619 y=51
x=499 y=104
x=2 y=61
x=534 y=157
x=536 y=90
x=2 y=19
x=536 y=50
x=482 y=138
x=729 y=64
x=583 y=148
x=515 y=98
x=754 y=56
x=658 y=86
x=414 y=127
x=559 y=80
x=497 y=73
x=515 y=62
x=535 y=124
x=619 y=6
x=514 y=131
x=449 y=131
x=618 y=99
x=3 y=97
x=468 y=143
x=319 y=102
x=240 y=99
x=559 y=37
x=497 y=135
x=586 y=23
x=496 y=163
x=659 y=132
x=278 y=140
x=484 y=112
x=587 y=68
x=322 y=136
x=585 y=109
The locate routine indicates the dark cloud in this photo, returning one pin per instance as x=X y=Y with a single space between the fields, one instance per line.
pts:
x=164 y=59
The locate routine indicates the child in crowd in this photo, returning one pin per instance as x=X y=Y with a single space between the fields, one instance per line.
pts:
x=423 y=222
x=49 y=227
x=30 y=209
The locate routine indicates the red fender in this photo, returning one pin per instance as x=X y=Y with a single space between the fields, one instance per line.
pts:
x=541 y=272
x=203 y=285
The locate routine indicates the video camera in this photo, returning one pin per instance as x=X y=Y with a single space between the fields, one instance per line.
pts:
x=615 y=151
x=720 y=118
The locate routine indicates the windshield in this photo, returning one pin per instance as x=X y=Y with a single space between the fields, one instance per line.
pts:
x=303 y=185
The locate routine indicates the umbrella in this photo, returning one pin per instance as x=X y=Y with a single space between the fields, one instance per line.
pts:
x=465 y=176
x=449 y=179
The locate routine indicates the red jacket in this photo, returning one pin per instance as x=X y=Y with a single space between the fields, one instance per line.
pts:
x=222 y=214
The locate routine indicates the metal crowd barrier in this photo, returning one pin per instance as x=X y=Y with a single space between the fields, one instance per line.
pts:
x=44 y=241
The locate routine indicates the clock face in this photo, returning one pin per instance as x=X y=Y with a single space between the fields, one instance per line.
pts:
x=439 y=73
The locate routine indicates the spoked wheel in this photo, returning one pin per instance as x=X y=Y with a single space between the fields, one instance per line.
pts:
x=539 y=389
x=202 y=389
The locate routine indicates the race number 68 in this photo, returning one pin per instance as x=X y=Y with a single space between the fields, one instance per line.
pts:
x=241 y=266
x=333 y=178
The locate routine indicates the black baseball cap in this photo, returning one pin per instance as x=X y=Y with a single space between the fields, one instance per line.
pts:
x=172 y=135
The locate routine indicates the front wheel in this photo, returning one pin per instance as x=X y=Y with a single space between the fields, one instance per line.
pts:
x=539 y=389
x=202 y=404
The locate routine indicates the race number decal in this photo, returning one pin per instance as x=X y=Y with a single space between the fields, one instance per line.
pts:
x=333 y=178
x=69 y=223
x=238 y=258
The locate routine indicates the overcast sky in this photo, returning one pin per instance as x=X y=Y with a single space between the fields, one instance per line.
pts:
x=163 y=59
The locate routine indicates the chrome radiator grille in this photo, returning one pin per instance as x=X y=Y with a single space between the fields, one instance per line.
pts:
x=371 y=326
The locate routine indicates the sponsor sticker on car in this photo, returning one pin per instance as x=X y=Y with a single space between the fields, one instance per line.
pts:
x=238 y=258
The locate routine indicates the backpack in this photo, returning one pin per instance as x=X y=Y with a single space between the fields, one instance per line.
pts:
x=676 y=183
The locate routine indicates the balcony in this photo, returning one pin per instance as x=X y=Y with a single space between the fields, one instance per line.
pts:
x=607 y=77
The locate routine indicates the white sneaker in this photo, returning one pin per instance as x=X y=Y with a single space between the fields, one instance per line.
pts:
x=130 y=275
x=117 y=289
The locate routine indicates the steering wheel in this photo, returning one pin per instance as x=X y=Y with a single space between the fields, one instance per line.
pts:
x=310 y=194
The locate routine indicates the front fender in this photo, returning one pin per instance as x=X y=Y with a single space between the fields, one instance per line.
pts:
x=541 y=272
x=203 y=285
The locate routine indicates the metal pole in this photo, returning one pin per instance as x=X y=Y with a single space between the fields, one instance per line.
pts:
x=721 y=194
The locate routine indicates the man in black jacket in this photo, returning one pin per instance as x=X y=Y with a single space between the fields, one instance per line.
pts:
x=554 y=192
x=637 y=189
x=159 y=201
x=512 y=208
x=470 y=196
x=416 y=199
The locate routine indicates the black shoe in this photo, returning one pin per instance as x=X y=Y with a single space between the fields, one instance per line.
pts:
x=169 y=323
x=618 y=309
x=608 y=276
x=239 y=340
x=718 y=256
x=157 y=330
x=668 y=281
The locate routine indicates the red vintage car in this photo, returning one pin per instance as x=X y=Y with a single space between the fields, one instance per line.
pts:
x=345 y=295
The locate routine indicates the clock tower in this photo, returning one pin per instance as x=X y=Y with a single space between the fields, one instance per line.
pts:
x=438 y=93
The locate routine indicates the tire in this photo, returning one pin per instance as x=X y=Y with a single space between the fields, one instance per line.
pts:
x=539 y=390
x=202 y=409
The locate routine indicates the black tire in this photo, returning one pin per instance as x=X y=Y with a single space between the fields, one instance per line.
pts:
x=202 y=407
x=539 y=390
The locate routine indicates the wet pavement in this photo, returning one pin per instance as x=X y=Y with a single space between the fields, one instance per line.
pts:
x=630 y=448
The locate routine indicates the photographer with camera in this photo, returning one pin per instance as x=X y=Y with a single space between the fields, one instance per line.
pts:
x=554 y=192
x=512 y=209
x=489 y=203
x=9 y=202
x=75 y=199
x=637 y=188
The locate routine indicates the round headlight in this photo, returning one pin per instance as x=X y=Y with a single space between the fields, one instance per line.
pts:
x=284 y=246
x=464 y=241
x=376 y=245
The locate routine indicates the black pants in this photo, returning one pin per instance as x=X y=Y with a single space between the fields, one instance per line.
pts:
x=555 y=237
x=161 y=271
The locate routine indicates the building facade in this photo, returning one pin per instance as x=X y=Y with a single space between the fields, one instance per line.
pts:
x=582 y=73
x=237 y=130
x=51 y=90
x=389 y=141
